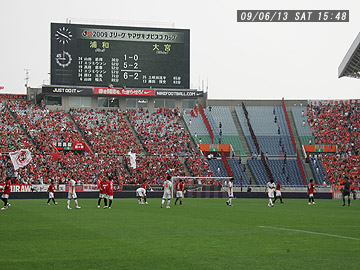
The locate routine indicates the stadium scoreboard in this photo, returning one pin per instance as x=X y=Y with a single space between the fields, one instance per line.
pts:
x=114 y=56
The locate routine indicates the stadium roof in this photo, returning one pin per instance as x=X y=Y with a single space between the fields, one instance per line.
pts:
x=350 y=65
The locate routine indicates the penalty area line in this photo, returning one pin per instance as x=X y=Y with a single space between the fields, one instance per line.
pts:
x=309 y=232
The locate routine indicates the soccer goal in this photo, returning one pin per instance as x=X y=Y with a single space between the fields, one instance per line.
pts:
x=337 y=193
x=202 y=187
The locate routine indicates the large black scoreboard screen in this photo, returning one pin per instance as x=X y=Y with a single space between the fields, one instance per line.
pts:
x=114 y=56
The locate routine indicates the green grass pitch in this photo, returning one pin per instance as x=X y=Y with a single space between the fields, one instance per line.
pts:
x=201 y=234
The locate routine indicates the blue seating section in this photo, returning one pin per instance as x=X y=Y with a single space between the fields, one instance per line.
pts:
x=239 y=174
x=300 y=119
x=290 y=176
x=238 y=170
x=221 y=114
x=262 y=119
x=258 y=170
x=319 y=174
x=197 y=125
x=214 y=164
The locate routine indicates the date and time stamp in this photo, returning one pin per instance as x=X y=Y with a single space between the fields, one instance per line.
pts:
x=292 y=15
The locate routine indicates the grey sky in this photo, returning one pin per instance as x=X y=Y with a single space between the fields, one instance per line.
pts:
x=239 y=60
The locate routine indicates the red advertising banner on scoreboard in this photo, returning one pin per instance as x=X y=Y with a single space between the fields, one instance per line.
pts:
x=124 y=92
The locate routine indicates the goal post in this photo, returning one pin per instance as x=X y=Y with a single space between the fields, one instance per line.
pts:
x=201 y=184
x=338 y=194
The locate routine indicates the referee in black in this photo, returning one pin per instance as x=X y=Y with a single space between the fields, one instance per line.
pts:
x=346 y=190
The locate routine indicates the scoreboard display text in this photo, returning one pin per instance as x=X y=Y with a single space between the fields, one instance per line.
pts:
x=128 y=57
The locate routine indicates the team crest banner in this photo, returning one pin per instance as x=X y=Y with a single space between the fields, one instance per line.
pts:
x=20 y=158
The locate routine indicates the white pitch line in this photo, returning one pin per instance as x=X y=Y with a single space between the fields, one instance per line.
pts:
x=310 y=232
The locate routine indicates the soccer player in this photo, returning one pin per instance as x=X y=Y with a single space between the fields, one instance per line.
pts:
x=141 y=195
x=167 y=192
x=269 y=189
x=346 y=190
x=51 y=190
x=102 y=192
x=5 y=196
x=278 y=192
x=109 y=191
x=145 y=185
x=311 y=189
x=179 y=191
x=72 y=194
x=230 y=192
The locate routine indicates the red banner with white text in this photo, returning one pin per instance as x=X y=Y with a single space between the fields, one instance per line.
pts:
x=124 y=92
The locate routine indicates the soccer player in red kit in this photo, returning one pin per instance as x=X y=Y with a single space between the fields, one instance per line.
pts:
x=6 y=194
x=102 y=194
x=51 y=190
x=109 y=191
x=311 y=189
x=179 y=191
x=145 y=185
x=278 y=192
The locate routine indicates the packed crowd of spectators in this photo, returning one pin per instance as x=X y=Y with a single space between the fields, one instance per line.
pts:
x=11 y=136
x=162 y=135
x=47 y=128
x=338 y=124
x=107 y=131
x=163 y=145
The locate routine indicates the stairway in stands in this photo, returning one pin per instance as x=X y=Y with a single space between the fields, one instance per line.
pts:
x=298 y=144
x=128 y=122
x=241 y=134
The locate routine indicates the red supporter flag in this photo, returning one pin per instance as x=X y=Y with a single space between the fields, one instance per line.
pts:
x=2 y=87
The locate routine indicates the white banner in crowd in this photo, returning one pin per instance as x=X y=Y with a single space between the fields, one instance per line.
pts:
x=132 y=160
x=20 y=158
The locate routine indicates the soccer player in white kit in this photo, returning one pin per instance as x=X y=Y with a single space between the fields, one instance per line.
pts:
x=270 y=189
x=72 y=194
x=141 y=194
x=230 y=192
x=167 y=192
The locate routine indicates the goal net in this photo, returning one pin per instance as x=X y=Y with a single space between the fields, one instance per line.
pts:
x=202 y=187
x=337 y=193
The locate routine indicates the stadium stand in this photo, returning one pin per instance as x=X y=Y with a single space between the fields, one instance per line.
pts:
x=288 y=173
x=107 y=131
x=318 y=169
x=337 y=124
x=270 y=128
x=163 y=146
x=161 y=134
x=215 y=115
x=45 y=127
x=302 y=125
x=241 y=179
